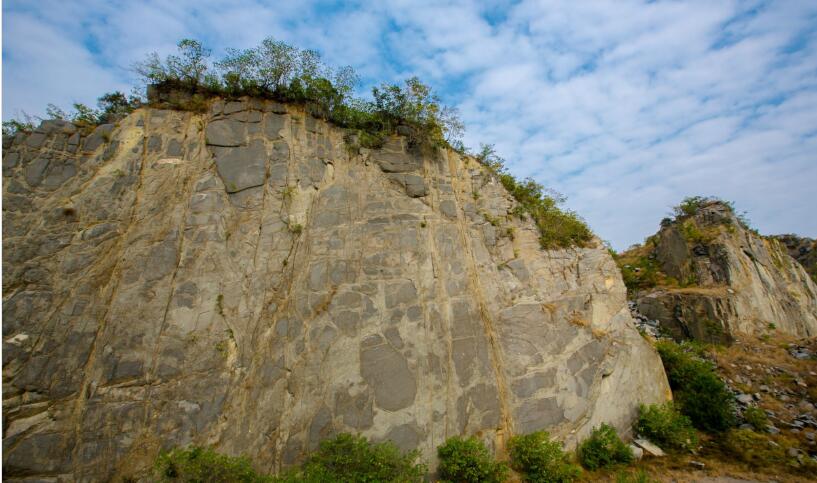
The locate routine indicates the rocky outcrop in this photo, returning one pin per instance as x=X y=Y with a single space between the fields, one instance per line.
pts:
x=248 y=278
x=802 y=249
x=726 y=278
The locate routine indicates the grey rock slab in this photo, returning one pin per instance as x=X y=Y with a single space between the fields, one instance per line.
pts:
x=242 y=167
x=386 y=371
x=651 y=448
x=226 y=132
x=100 y=136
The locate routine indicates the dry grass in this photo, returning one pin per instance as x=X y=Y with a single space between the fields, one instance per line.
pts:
x=752 y=362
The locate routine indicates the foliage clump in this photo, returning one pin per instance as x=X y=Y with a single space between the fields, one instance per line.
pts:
x=640 y=273
x=354 y=459
x=558 y=227
x=700 y=394
x=277 y=70
x=541 y=460
x=198 y=464
x=14 y=126
x=604 y=449
x=345 y=458
x=690 y=206
x=666 y=426
x=110 y=108
x=467 y=460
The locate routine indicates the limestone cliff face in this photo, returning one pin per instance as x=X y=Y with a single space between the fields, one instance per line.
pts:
x=247 y=278
x=736 y=280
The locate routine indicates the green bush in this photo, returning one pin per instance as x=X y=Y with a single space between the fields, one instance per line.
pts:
x=756 y=417
x=665 y=426
x=642 y=273
x=558 y=228
x=541 y=460
x=203 y=465
x=14 y=126
x=466 y=460
x=604 y=448
x=353 y=459
x=699 y=392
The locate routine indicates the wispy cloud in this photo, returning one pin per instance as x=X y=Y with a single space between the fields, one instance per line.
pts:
x=625 y=106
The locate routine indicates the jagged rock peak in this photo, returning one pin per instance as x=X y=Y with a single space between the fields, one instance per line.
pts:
x=248 y=278
x=706 y=274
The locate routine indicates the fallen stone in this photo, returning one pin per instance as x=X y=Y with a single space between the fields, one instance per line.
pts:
x=651 y=448
x=697 y=465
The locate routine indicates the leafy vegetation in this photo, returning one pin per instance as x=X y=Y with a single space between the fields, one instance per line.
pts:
x=541 y=460
x=701 y=395
x=111 y=107
x=666 y=426
x=345 y=458
x=280 y=71
x=558 y=228
x=604 y=449
x=353 y=459
x=690 y=205
x=467 y=460
x=13 y=126
x=197 y=464
x=640 y=273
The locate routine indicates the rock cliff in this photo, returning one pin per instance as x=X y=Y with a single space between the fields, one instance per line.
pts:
x=802 y=249
x=249 y=278
x=718 y=277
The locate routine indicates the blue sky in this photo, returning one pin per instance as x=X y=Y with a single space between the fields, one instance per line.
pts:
x=624 y=106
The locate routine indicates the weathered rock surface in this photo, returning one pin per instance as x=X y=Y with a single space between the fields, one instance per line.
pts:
x=737 y=281
x=241 y=279
x=802 y=249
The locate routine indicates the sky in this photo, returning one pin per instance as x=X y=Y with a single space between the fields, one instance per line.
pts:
x=624 y=106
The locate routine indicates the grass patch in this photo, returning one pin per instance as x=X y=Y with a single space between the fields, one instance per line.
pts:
x=637 y=476
x=757 y=418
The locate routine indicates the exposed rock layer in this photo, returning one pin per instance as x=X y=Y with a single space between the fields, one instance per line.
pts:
x=802 y=249
x=737 y=280
x=246 y=279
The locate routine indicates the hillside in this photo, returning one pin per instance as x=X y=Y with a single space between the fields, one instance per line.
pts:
x=706 y=275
